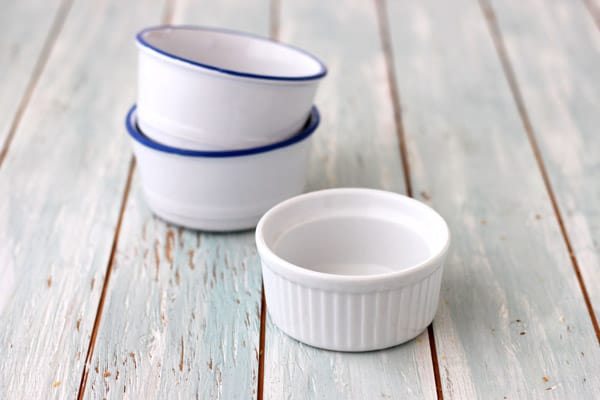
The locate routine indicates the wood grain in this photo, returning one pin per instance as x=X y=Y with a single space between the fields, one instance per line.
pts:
x=512 y=321
x=23 y=52
x=182 y=311
x=355 y=146
x=560 y=90
x=61 y=185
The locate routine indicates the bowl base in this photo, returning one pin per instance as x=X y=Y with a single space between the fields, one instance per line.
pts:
x=373 y=346
x=206 y=224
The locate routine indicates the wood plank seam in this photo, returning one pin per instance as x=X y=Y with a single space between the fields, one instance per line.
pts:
x=594 y=11
x=434 y=360
x=384 y=32
x=168 y=12
x=166 y=19
x=113 y=250
x=274 y=19
x=496 y=34
x=53 y=34
x=261 y=347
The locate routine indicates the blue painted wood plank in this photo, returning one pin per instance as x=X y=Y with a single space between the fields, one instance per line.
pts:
x=182 y=312
x=61 y=187
x=512 y=321
x=355 y=146
x=555 y=52
x=23 y=48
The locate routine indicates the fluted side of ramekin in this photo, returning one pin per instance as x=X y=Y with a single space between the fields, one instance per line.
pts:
x=352 y=321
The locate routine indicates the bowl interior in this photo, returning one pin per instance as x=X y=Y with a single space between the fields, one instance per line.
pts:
x=232 y=51
x=352 y=245
x=354 y=232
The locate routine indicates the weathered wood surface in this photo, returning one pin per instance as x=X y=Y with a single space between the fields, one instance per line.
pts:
x=61 y=187
x=181 y=316
x=554 y=49
x=23 y=51
x=249 y=16
x=355 y=146
x=512 y=321
x=182 y=312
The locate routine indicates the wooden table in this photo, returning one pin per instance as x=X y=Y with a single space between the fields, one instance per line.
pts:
x=489 y=111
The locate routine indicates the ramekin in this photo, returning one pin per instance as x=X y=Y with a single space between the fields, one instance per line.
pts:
x=220 y=190
x=216 y=89
x=352 y=269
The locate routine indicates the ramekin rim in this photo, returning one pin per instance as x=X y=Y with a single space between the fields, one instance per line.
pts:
x=132 y=128
x=144 y=43
x=278 y=264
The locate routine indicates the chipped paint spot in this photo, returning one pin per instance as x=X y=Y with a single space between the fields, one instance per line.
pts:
x=169 y=246
x=191 y=260
x=182 y=355
x=132 y=355
x=156 y=257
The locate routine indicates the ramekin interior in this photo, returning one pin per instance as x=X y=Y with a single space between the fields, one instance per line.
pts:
x=232 y=52
x=132 y=128
x=352 y=233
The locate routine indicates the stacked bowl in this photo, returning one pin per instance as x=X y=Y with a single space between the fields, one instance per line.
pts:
x=223 y=123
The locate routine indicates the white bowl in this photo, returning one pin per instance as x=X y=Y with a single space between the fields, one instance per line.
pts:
x=215 y=89
x=352 y=269
x=220 y=191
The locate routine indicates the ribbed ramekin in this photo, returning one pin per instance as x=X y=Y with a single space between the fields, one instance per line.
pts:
x=352 y=269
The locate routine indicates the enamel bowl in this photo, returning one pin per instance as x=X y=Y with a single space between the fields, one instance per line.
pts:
x=352 y=269
x=220 y=190
x=216 y=89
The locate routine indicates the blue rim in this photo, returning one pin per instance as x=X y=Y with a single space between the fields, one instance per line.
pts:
x=311 y=125
x=142 y=41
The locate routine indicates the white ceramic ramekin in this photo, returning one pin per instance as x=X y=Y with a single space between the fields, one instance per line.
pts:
x=220 y=191
x=215 y=89
x=352 y=269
